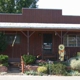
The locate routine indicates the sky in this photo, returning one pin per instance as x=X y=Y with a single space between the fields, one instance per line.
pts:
x=69 y=7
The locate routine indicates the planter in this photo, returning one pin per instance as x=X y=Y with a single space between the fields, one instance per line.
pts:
x=30 y=68
x=3 y=69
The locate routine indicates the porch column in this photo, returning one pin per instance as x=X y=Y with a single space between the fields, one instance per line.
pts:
x=61 y=37
x=27 y=36
x=27 y=42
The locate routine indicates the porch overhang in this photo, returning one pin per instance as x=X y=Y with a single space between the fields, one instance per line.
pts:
x=38 y=26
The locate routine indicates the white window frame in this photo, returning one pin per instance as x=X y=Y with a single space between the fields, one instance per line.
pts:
x=67 y=42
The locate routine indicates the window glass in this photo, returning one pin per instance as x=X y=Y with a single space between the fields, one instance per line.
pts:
x=71 y=40
x=78 y=40
x=47 y=41
x=10 y=38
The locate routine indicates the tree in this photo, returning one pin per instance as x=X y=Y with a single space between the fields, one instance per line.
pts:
x=3 y=42
x=15 y=6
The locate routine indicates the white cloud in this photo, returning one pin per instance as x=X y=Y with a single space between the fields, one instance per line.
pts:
x=69 y=7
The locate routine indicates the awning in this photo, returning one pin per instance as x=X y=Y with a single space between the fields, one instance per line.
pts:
x=8 y=25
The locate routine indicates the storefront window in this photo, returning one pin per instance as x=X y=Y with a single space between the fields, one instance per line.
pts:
x=71 y=40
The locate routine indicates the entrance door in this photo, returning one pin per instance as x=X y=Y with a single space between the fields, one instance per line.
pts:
x=47 y=44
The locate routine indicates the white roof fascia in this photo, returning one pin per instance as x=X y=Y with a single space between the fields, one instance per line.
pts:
x=39 y=25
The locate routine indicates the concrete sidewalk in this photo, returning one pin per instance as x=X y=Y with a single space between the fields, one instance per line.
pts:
x=25 y=77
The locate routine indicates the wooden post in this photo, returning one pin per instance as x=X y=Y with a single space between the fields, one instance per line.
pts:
x=61 y=37
x=22 y=65
x=28 y=36
x=27 y=42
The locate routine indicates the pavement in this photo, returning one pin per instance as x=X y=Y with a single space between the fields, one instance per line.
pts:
x=25 y=77
x=15 y=74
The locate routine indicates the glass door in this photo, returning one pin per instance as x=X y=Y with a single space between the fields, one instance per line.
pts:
x=47 y=44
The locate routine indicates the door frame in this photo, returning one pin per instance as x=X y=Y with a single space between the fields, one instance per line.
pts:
x=42 y=45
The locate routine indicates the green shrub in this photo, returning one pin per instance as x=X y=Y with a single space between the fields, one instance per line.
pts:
x=29 y=59
x=31 y=73
x=49 y=68
x=75 y=63
x=42 y=63
x=5 y=64
x=3 y=58
x=59 y=69
x=42 y=69
x=3 y=42
x=78 y=53
x=74 y=73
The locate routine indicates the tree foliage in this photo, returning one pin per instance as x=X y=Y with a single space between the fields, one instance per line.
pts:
x=3 y=42
x=15 y=6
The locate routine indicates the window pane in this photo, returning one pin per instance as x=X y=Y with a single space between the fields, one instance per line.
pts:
x=10 y=39
x=72 y=40
x=47 y=38
x=47 y=45
x=78 y=40
x=17 y=39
